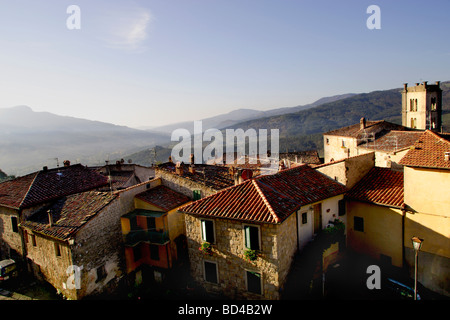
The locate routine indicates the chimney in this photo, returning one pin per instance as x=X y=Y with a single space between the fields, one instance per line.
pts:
x=237 y=176
x=192 y=168
x=45 y=168
x=66 y=163
x=192 y=158
x=447 y=156
x=50 y=218
x=170 y=159
x=179 y=169
x=438 y=83
x=362 y=123
x=417 y=84
x=425 y=83
x=405 y=86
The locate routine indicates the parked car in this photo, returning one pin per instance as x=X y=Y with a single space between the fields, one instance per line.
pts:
x=8 y=269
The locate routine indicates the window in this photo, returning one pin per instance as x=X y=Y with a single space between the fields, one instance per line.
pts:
x=154 y=252
x=413 y=122
x=328 y=141
x=210 y=269
x=57 y=250
x=137 y=252
x=304 y=218
x=342 y=208
x=208 y=231
x=101 y=273
x=433 y=103
x=358 y=224
x=343 y=143
x=196 y=194
x=251 y=236
x=415 y=109
x=14 y=224
x=253 y=282
x=151 y=223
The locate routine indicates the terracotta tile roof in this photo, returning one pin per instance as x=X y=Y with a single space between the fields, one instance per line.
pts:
x=380 y=186
x=269 y=198
x=392 y=141
x=46 y=185
x=163 y=197
x=429 y=151
x=69 y=214
x=372 y=127
x=215 y=177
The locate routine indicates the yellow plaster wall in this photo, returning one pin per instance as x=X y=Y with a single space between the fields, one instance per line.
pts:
x=382 y=231
x=427 y=190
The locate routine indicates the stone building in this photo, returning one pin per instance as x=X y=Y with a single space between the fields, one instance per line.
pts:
x=388 y=140
x=271 y=216
x=194 y=180
x=422 y=106
x=123 y=175
x=22 y=196
x=75 y=242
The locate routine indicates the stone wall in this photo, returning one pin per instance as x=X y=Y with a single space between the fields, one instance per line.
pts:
x=349 y=171
x=278 y=244
x=10 y=241
x=183 y=185
x=47 y=265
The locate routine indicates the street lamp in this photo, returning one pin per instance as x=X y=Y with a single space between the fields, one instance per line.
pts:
x=417 y=244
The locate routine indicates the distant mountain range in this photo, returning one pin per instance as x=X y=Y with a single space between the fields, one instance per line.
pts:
x=303 y=129
x=237 y=116
x=30 y=140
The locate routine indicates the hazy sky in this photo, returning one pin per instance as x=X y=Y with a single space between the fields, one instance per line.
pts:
x=155 y=62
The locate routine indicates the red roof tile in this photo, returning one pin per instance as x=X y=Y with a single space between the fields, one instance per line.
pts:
x=69 y=214
x=270 y=198
x=371 y=127
x=381 y=186
x=47 y=185
x=392 y=141
x=163 y=197
x=429 y=151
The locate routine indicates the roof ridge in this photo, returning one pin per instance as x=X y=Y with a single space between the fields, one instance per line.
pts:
x=436 y=135
x=266 y=202
x=29 y=188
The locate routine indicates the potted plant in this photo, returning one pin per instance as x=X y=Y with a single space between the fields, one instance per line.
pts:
x=250 y=255
x=206 y=248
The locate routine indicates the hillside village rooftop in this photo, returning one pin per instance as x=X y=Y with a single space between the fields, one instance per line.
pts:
x=47 y=185
x=268 y=199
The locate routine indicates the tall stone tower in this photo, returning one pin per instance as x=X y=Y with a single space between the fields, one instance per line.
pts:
x=422 y=106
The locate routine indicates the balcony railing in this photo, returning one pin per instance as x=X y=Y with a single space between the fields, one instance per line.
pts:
x=155 y=237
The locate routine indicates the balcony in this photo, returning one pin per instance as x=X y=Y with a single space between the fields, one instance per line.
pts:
x=154 y=237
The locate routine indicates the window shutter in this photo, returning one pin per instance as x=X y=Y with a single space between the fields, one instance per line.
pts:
x=208 y=231
x=248 y=243
x=204 y=230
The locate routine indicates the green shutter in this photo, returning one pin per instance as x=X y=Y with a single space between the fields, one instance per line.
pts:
x=196 y=194
x=208 y=231
x=248 y=243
